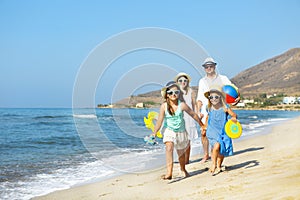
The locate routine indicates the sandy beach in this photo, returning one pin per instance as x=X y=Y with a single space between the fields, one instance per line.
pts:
x=263 y=167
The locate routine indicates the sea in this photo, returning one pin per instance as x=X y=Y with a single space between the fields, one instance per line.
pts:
x=47 y=149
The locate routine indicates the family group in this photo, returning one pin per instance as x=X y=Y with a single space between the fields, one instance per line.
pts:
x=181 y=110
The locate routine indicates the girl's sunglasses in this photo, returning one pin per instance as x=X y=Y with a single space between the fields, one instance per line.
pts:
x=172 y=92
x=214 y=97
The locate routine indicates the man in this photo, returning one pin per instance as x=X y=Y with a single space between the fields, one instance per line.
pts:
x=212 y=79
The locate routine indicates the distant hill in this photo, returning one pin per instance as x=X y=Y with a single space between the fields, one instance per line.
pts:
x=150 y=99
x=280 y=75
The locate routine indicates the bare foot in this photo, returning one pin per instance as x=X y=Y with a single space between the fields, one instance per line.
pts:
x=165 y=177
x=223 y=168
x=204 y=159
x=186 y=174
x=217 y=171
x=212 y=169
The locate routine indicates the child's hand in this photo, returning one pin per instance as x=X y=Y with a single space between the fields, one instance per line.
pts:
x=152 y=135
x=200 y=115
x=203 y=131
x=234 y=119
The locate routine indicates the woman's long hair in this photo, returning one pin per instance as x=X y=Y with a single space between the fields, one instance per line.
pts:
x=187 y=86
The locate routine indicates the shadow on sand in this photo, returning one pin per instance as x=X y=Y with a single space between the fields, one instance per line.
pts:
x=248 y=150
x=246 y=165
x=193 y=173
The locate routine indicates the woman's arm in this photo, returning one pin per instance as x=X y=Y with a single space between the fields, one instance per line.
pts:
x=189 y=111
x=205 y=125
x=194 y=105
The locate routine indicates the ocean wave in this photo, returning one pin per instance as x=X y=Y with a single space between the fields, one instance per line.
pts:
x=10 y=115
x=259 y=126
x=278 y=119
x=59 y=179
x=50 y=117
x=134 y=161
x=252 y=117
x=106 y=118
x=51 y=123
x=85 y=116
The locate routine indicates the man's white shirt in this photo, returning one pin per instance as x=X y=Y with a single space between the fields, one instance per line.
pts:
x=205 y=84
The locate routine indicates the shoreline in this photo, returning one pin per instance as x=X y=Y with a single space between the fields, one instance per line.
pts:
x=258 y=162
x=271 y=108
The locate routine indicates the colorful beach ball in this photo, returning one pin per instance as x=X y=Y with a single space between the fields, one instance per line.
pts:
x=231 y=93
x=233 y=130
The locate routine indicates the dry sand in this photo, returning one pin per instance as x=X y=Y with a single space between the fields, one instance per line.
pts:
x=263 y=167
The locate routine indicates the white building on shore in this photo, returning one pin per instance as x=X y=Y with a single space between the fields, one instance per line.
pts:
x=289 y=100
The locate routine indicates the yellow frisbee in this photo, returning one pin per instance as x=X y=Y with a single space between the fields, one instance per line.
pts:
x=233 y=130
x=149 y=122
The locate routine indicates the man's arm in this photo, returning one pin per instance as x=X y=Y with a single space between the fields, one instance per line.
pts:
x=226 y=81
x=200 y=96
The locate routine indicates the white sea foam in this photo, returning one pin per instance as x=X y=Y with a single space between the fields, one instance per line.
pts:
x=259 y=126
x=87 y=116
x=252 y=117
x=135 y=160
x=42 y=184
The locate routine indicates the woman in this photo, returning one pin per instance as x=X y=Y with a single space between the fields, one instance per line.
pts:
x=183 y=80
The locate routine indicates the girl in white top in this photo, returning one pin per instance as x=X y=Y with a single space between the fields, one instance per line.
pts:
x=183 y=80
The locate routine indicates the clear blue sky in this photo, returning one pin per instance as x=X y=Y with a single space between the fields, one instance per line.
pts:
x=43 y=43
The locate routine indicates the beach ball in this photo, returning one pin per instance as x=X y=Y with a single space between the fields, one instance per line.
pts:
x=231 y=93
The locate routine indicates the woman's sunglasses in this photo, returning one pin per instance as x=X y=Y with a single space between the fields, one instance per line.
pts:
x=172 y=92
x=214 y=97
x=182 y=80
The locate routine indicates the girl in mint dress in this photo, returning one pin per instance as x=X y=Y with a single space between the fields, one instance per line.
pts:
x=220 y=143
x=175 y=135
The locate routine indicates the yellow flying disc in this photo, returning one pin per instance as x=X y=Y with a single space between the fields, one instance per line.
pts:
x=149 y=122
x=233 y=130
